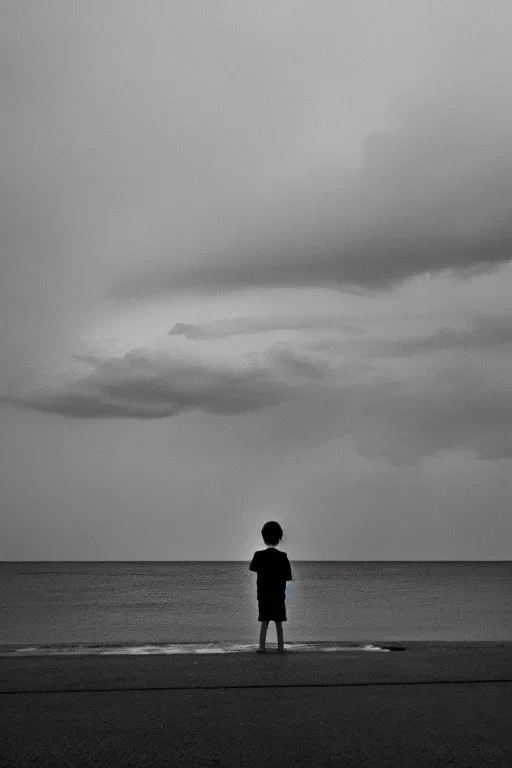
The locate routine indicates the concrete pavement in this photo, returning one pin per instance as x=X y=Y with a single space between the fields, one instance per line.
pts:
x=430 y=705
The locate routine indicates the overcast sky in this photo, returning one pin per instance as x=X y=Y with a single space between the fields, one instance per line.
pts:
x=256 y=264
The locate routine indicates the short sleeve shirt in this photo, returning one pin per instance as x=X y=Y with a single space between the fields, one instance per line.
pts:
x=273 y=571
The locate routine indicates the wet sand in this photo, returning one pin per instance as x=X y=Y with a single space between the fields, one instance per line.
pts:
x=431 y=704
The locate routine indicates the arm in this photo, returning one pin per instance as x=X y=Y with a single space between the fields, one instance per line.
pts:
x=253 y=566
x=288 y=570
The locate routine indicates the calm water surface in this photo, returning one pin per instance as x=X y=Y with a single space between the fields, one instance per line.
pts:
x=129 y=602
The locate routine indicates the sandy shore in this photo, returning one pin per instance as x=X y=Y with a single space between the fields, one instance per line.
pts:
x=430 y=705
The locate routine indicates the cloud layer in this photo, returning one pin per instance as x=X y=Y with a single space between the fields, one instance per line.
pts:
x=249 y=326
x=148 y=385
x=439 y=398
x=435 y=194
x=172 y=172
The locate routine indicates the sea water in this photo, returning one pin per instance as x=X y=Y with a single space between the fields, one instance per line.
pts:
x=150 y=604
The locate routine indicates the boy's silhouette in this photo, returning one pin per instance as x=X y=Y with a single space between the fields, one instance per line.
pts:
x=273 y=569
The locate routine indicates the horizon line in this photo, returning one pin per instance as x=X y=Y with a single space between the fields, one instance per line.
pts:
x=298 y=560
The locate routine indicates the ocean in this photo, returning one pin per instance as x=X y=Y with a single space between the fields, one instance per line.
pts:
x=136 y=604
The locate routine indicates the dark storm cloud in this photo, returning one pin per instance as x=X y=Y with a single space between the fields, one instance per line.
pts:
x=304 y=399
x=376 y=261
x=436 y=195
x=144 y=385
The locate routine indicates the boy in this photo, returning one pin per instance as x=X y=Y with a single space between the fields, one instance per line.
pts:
x=273 y=569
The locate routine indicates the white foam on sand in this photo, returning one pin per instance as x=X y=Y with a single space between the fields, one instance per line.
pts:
x=178 y=648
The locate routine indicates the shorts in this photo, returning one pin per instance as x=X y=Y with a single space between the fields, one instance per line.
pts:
x=271 y=609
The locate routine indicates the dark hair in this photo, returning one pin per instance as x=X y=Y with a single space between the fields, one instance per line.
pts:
x=272 y=533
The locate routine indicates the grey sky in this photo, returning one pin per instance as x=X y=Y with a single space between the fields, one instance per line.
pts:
x=256 y=263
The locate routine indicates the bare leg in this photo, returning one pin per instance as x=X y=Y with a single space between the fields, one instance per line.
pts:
x=279 y=630
x=263 y=634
